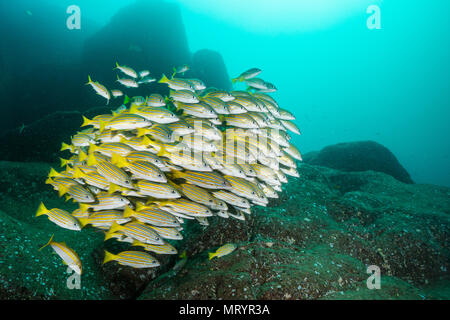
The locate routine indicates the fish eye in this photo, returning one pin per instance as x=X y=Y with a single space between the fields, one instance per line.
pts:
x=159 y=175
x=210 y=201
x=157 y=238
x=253 y=192
x=173 y=191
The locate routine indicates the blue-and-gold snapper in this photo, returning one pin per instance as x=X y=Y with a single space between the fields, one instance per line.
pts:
x=197 y=154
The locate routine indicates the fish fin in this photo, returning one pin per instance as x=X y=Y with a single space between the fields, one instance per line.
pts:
x=62 y=190
x=137 y=243
x=163 y=79
x=91 y=161
x=128 y=212
x=49 y=181
x=109 y=257
x=183 y=255
x=134 y=109
x=113 y=188
x=84 y=207
x=86 y=122
x=48 y=243
x=142 y=132
x=146 y=141
x=92 y=148
x=64 y=162
x=126 y=99
x=41 y=210
x=211 y=255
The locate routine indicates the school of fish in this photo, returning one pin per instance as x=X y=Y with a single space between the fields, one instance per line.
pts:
x=140 y=172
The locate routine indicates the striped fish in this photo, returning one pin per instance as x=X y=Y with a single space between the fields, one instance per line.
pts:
x=60 y=217
x=216 y=104
x=135 y=259
x=145 y=156
x=69 y=256
x=159 y=132
x=196 y=109
x=165 y=248
x=155 y=100
x=249 y=74
x=231 y=198
x=78 y=193
x=177 y=84
x=152 y=215
x=104 y=218
x=222 y=251
x=125 y=121
x=222 y=95
x=111 y=172
x=168 y=233
x=129 y=83
x=246 y=189
x=136 y=230
x=99 y=89
x=185 y=206
x=184 y=96
x=95 y=122
x=127 y=70
x=209 y=180
x=140 y=169
x=92 y=179
x=199 y=195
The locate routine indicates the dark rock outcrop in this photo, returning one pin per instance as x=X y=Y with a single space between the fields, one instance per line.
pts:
x=146 y=35
x=209 y=66
x=360 y=156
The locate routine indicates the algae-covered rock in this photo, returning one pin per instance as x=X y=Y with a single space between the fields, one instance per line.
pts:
x=360 y=156
x=315 y=242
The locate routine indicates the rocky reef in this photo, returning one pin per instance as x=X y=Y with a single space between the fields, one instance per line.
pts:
x=359 y=156
x=314 y=242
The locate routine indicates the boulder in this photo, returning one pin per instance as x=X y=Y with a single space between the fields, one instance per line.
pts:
x=209 y=66
x=360 y=156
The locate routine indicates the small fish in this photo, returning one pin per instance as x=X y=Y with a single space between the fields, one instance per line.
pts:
x=156 y=114
x=222 y=251
x=152 y=215
x=116 y=93
x=146 y=80
x=156 y=190
x=100 y=89
x=209 y=180
x=177 y=84
x=106 y=201
x=144 y=73
x=61 y=217
x=129 y=83
x=155 y=100
x=69 y=256
x=184 y=96
x=181 y=69
x=127 y=70
x=135 y=259
x=165 y=248
x=198 y=84
x=251 y=73
x=136 y=230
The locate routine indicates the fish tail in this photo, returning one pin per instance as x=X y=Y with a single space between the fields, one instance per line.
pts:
x=49 y=242
x=89 y=80
x=126 y=99
x=234 y=80
x=128 y=212
x=211 y=255
x=113 y=188
x=102 y=126
x=86 y=122
x=84 y=207
x=118 y=160
x=65 y=146
x=53 y=173
x=91 y=160
x=162 y=151
x=117 y=66
x=78 y=173
x=92 y=148
x=163 y=79
x=141 y=132
x=82 y=155
x=41 y=210
x=49 y=181
x=109 y=257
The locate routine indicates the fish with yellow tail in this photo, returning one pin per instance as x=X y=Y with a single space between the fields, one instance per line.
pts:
x=127 y=70
x=61 y=217
x=249 y=74
x=99 y=89
x=68 y=256
x=223 y=251
x=135 y=259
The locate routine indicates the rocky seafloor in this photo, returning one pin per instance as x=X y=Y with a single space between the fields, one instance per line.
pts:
x=314 y=242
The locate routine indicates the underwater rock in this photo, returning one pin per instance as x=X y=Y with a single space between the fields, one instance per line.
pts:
x=360 y=156
x=316 y=242
x=209 y=66
x=146 y=34
x=41 y=140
